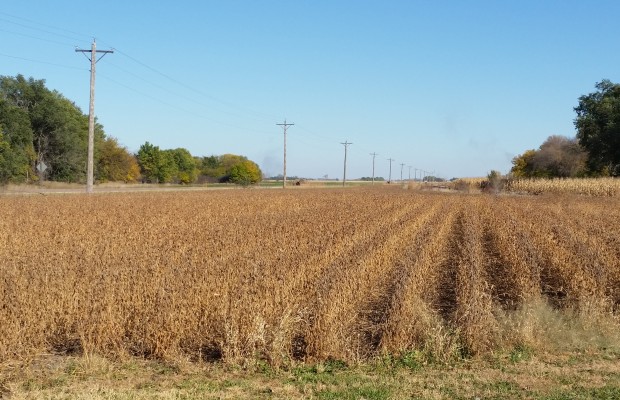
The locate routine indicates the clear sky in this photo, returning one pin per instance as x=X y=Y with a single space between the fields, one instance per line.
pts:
x=455 y=87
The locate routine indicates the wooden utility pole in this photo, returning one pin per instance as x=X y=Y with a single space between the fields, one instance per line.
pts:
x=344 y=177
x=91 y=111
x=409 y=166
x=373 y=166
x=390 y=178
x=401 y=171
x=285 y=127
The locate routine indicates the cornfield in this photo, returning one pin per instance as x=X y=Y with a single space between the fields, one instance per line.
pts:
x=286 y=276
x=606 y=187
x=588 y=187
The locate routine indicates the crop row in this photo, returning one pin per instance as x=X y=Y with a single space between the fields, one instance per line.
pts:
x=297 y=275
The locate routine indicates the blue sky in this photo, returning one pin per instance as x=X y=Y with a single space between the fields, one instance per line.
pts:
x=455 y=87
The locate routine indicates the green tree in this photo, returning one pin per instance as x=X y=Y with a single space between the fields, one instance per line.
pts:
x=186 y=171
x=149 y=160
x=522 y=165
x=156 y=165
x=245 y=173
x=15 y=124
x=218 y=167
x=5 y=165
x=167 y=168
x=58 y=130
x=598 y=128
x=116 y=163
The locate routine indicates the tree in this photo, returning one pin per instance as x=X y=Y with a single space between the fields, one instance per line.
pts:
x=5 y=165
x=156 y=165
x=116 y=163
x=245 y=173
x=522 y=165
x=56 y=132
x=148 y=159
x=165 y=166
x=561 y=157
x=218 y=168
x=557 y=157
x=185 y=164
x=15 y=125
x=598 y=128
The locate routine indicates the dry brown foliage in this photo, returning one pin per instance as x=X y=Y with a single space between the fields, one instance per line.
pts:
x=300 y=275
x=586 y=187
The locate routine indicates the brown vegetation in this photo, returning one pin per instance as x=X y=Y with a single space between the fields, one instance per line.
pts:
x=304 y=275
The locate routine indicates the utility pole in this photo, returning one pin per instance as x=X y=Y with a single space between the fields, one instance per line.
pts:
x=409 y=166
x=415 y=174
x=401 y=171
x=373 y=166
x=390 y=178
x=91 y=111
x=285 y=127
x=344 y=177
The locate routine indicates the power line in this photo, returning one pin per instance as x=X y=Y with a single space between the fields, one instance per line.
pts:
x=42 y=30
x=243 y=110
x=192 y=88
x=45 y=25
x=36 y=37
x=187 y=111
x=30 y=24
x=182 y=96
x=43 y=62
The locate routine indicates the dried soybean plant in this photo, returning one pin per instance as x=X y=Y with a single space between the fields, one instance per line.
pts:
x=280 y=276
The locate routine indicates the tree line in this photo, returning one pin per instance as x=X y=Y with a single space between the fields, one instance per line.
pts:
x=594 y=151
x=44 y=136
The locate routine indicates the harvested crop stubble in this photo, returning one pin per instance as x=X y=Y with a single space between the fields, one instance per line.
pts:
x=306 y=275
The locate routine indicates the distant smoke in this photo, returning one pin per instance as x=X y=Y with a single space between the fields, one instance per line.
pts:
x=271 y=165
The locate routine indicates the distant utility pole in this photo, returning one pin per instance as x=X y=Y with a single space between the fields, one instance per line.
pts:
x=409 y=166
x=415 y=174
x=373 y=166
x=401 y=171
x=91 y=111
x=390 y=178
x=344 y=177
x=285 y=127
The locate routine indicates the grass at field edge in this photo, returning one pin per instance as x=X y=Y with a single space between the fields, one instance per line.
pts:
x=513 y=375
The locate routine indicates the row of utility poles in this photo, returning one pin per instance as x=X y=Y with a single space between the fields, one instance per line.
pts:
x=423 y=178
x=346 y=144
x=91 y=129
x=93 y=52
